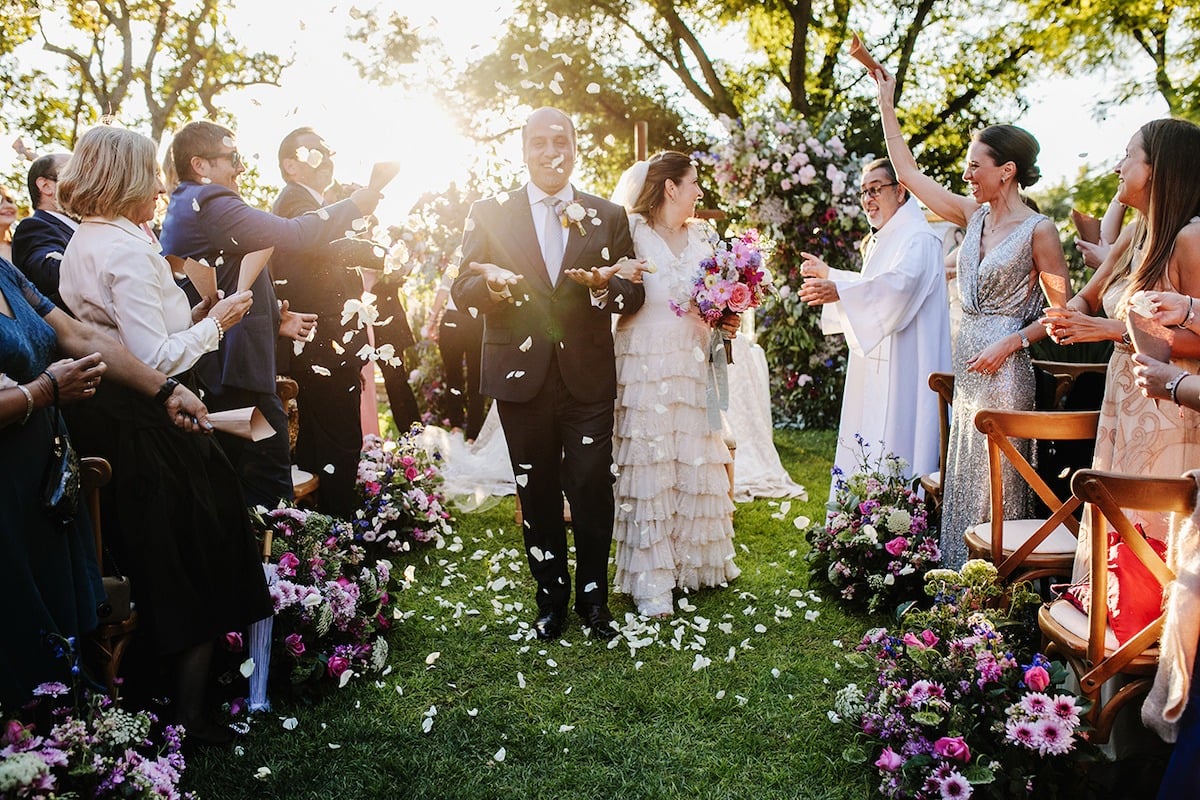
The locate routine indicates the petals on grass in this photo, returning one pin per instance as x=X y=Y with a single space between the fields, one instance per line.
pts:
x=499 y=755
x=290 y=724
x=432 y=657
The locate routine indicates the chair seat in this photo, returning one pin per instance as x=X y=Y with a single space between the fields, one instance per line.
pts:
x=1066 y=625
x=1060 y=543
x=303 y=483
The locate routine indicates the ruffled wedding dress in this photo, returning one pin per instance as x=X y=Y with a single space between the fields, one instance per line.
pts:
x=674 y=525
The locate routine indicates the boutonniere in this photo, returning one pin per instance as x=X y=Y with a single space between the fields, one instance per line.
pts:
x=574 y=213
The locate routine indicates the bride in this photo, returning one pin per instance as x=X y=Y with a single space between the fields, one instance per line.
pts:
x=674 y=526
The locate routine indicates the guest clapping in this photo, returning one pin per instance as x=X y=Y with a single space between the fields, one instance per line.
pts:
x=1007 y=251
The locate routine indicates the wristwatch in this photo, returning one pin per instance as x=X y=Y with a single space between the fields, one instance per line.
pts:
x=166 y=390
x=1024 y=339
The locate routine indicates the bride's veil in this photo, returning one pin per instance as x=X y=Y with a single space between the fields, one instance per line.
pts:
x=629 y=187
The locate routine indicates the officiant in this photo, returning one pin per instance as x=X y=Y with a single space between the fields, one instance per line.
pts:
x=207 y=220
x=895 y=317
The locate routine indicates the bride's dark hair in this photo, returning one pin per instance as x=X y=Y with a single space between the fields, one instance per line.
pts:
x=661 y=167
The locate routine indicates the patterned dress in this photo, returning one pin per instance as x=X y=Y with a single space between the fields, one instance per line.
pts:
x=674 y=525
x=1000 y=295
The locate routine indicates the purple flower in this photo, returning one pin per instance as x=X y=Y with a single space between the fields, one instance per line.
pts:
x=955 y=787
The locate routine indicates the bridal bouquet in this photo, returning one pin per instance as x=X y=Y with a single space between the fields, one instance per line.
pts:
x=731 y=280
x=952 y=707
x=875 y=545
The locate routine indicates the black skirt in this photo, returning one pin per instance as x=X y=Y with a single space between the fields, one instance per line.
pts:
x=174 y=519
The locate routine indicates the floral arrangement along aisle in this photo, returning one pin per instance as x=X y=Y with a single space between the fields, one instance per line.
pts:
x=332 y=599
x=401 y=487
x=799 y=186
x=71 y=743
x=875 y=546
x=952 y=709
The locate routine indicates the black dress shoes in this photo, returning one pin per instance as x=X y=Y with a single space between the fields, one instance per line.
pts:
x=550 y=624
x=598 y=618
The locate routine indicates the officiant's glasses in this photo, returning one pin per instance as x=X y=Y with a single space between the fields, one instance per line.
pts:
x=873 y=191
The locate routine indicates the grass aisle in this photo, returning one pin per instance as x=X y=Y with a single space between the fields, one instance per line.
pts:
x=663 y=715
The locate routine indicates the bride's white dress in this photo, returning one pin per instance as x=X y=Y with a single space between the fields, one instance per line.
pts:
x=674 y=525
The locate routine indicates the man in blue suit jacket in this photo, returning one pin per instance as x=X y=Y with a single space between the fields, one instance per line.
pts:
x=208 y=220
x=539 y=263
x=39 y=240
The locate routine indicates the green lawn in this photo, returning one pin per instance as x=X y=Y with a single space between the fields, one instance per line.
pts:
x=726 y=700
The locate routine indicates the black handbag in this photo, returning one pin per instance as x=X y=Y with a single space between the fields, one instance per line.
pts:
x=60 y=486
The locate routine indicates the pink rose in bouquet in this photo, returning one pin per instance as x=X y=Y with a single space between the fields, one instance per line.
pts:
x=337 y=665
x=953 y=748
x=294 y=643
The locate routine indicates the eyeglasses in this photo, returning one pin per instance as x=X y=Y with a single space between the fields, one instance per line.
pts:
x=873 y=191
x=235 y=159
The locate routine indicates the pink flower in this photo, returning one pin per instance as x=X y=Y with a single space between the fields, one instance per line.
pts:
x=952 y=747
x=889 y=760
x=929 y=638
x=235 y=706
x=896 y=546
x=337 y=665
x=233 y=642
x=1037 y=678
x=288 y=563
x=740 y=298
x=411 y=473
x=911 y=640
x=295 y=644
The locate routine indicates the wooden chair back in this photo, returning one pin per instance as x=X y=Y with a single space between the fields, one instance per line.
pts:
x=1000 y=426
x=110 y=640
x=1088 y=644
x=1109 y=495
x=942 y=383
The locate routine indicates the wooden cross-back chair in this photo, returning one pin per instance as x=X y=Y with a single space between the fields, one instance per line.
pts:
x=941 y=383
x=110 y=639
x=1087 y=642
x=304 y=484
x=1028 y=549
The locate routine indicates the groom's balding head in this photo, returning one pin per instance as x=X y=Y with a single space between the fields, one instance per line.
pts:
x=548 y=146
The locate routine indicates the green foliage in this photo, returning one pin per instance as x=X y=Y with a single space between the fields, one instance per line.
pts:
x=142 y=62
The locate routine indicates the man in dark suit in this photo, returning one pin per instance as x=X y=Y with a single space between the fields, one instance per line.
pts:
x=321 y=279
x=39 y=240
x=208 y=220
x=539 y=264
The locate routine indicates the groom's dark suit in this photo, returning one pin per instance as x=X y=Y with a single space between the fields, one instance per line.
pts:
x=548 y=361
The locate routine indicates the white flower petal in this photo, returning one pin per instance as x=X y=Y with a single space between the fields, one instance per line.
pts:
x=499 y=755
x=593 y=88
x=247 y=668
x=290 y=724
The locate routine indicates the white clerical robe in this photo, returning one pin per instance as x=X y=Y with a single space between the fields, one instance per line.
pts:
x=895 y=317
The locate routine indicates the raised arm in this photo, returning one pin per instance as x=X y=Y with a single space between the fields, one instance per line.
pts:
x=940 y=200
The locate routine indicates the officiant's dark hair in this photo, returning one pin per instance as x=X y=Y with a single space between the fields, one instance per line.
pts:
x=198 y=138
x=661 y=167
x=885 y=164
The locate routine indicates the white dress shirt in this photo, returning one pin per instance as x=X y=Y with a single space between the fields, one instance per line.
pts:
x=114 y=278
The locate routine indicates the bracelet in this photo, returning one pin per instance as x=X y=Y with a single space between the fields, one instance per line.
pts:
x=220 y=330
x=28 y=402
x=598 y=293
x=1126 y=339
x=53 y=383
x=1024 y=339
x=1172 y=386
x=1191 y=315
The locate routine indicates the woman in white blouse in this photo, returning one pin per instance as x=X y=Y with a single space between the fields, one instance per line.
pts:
x=174 y=516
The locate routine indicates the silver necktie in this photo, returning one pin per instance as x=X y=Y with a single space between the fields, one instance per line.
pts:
x=552 y=240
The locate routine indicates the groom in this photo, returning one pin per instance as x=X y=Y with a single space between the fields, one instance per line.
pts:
x=539 y=264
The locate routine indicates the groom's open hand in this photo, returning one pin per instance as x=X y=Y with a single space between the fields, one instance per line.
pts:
x=594 y=278
x=499 y=280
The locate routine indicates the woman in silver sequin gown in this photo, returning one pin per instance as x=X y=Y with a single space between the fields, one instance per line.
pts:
x=1008 y=250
